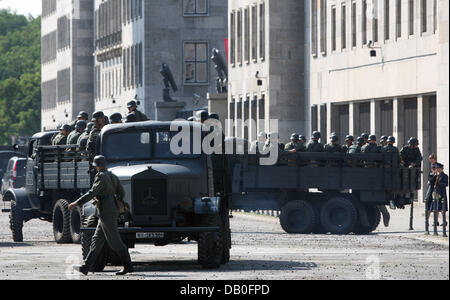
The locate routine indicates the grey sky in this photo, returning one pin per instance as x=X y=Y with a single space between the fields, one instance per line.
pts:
x=24 y=7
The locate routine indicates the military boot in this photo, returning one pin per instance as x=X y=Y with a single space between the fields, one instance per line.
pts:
x=126 y=262
x=82 y=269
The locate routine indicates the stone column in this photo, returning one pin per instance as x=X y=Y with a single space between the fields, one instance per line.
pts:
x=423 y=113
x=398 y=121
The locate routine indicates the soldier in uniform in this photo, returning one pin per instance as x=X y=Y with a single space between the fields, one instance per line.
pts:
x=410 y=154
x=349 y=140
x=383 y=141
x=99 y=122
x=115 y=118
x=390 y=148
x=365 y=136
x=333 y=146
x=82 y=116
x=314 y=145
x=132 y=110
x=371 y=147
x=106 y=186
x=84 y=137
x=61 y=138
x=295 y=145
x=258 y=145
x=356 y=148
x=73 y=137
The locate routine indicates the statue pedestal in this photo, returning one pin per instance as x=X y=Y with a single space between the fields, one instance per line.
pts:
x=218 y=103
x=167 y=111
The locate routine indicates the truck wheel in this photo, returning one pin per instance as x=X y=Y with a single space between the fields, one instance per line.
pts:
x=75 y=224
x=226 y=234
x=210 y=244
x=374 y=218
x=86 y=240
x=339 y=216
x=16 y=222
x=61 y=222
x=298 y=217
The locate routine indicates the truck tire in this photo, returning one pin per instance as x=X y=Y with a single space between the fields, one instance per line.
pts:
x=374 y=218
x=16 y=221
x=339 y=216
x=298 y=217
x=210 y=244
x=75 y=225
x=61 y=222
x=226 y=235
x=86 y=240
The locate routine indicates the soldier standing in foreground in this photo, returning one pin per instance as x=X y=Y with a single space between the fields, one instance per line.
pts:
x=106 y=186
x=99 y=122
x=132 y=110
x=73 y=137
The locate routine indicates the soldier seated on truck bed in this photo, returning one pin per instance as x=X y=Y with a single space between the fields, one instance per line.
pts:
x=99 y=122
x=73 y=137
x=61 y=138
x=410 y=154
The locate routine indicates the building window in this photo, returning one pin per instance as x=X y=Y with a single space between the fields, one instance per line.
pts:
x=375 y=22
x=364 y=22
x=254 y=33
x=239 y=37
x=434 y=16
x=323 y=26
x=233 y=38
x=387 y=20
x=48 y=7
x=411 y=17
x=63 y=39
x=333 y=28
x=314 y=27
x=195 y=62
x=423 y=13
x=262 y=31
x=399 y=18
x=353 y=24
x=344 y=26
x=195 y=7
x=247 y=36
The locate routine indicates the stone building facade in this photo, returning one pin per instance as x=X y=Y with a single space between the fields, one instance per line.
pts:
x=381 y=67
x=133 y=38
x=67 y=62
x=267 y=63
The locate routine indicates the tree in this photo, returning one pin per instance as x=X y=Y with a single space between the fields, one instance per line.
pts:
x=20 y=75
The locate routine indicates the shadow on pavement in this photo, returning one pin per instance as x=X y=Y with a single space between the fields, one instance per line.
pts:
x=10 y=244
x=232 y=266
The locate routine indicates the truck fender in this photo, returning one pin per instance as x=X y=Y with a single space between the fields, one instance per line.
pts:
x=18 y=195
x=89 y=209
x=207 y=205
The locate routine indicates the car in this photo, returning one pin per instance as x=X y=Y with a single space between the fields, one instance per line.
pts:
x=14 y=175
x=4 y=159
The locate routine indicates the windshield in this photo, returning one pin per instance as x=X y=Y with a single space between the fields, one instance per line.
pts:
x=138 y=146
x=163 y=142
x=128 y=146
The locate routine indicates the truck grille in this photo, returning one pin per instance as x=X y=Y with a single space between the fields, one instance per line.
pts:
x=149 y=197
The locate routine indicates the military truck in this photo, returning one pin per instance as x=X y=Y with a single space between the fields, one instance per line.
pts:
x=334 y=193
x=170 y=197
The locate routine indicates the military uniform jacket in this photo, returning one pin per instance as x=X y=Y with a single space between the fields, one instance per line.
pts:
x=92 y=140
x=297 y=146
x=82 y=140
x=73 y=137
x=314 y=146
x=410 y=156
x=390 y=149
x=59 y=140
x=140 y=117
x=102 y=191
x=331 y=148
x=354 y=149
x=371 y=148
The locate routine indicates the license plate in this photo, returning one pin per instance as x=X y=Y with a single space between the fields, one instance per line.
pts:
x=150 y=235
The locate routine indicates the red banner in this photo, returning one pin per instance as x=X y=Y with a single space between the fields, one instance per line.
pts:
x=226 y=47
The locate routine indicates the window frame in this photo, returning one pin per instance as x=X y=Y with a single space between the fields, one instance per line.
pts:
x=196 y=13
x=196 y=62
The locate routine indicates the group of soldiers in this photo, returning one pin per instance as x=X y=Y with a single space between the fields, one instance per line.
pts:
x=84 y=134
x=409 y=155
